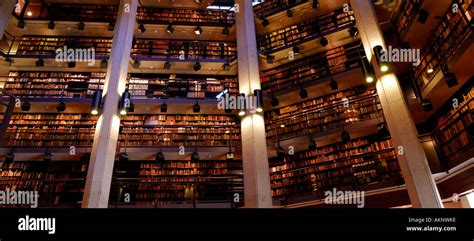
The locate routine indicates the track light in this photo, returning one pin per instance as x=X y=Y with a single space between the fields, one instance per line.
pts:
x=123 y=157
x=160 y=157
x=25 y=106
x=275 y=101
x=229 y=156
x=226 y=67
x=427 y=106
x=111 y=26
x=312 y=145
x=378 y=53
x=382 y=130
x=296 y=50
x=164 y=108
x=167 y=65
x=196 y=108
x=9 y=157
x=345 y=136
x=48 y=157
x=71 y=64
x=423 y=16
x=451 y=80
x=136 y=64
x=226 y=31
x=353 y=31
x=96 y=102
x=265 y=22
x=21 y=24
x=241 y=100
x=61 y=107
x=259 y=97
x=142 y=28
x=125 y=103
x=289 y=13
x=170 y=29
x=198 y=30
x=195 y=156
x=270 y=59
x=324 y=41
x=39 y=63
x=303 y=93
x=81 y=26
x=51 y=25
x=281 y=152
x=197 y=66
x=333 y=84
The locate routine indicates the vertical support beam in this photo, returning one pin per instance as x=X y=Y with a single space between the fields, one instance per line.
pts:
x=6 y=10
x=99 y=176
x=421 y=187
x=6 y=119
x=467 y=201
x=257 y=189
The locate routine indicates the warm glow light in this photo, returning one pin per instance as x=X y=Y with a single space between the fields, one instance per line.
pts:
x=29 y=13
x=429 y=71
x=94 y=112
x=241 y=113
x=384 y=68
x=123 y=112
x=259 y=110
x=369 y=79
x=282 y=126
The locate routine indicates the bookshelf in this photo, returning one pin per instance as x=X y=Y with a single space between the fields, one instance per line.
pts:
x=271 y=7
x=58 y=183
x=179 y=130
x=184 y=16
x=305 y=31
x=39 y=84
x=406 y=15
x=347 y=166
x=176 y=181
x=50 y=130
x=323 y=113
x=454 y=131
x=184 y=50
x=81 y=12
x=311 y=68
x=143 y=86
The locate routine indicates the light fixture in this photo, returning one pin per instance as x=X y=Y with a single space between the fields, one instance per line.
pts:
x=315 y=4
x=282 y=126
x=167 y=65
x=241 y=100
x=312 y=145
x=289 y=13
x=85 y=157
x=111 y=26
x=265 y=22
x=170 y=29
x=196 y=107
x=296 y=50
x=259 y=98
x=104 y=64
x=81 y=26
x=142 y=28
x=427 y=106
x=136 y=64
x=125 y=103
x=368 y=71
x=71 y=64
x=226 y=67
x=131 y=109
x=123 y=157
x=197 y=66
x=226 y=31
x=51 y=25
x=430 y=71
x=229 y=156
x=303 y=93
x=48 y=157
x=382 y=130
x=198 y=30
x=25 y=106
x=345 y=136
x=423 y=16
x=270 y=59
x=324 y=41
x=378 y=52
x=39 y=63
x=195 y=156
x=451 y=79
x=280 y=152
x=9 y=157
x=61 y=107
x=275 y=101
x=96 y=102
x=353 y=31
x=29 y=13
x=160 y=157
x=334 y=85
x=21 y=24
x=164 y=108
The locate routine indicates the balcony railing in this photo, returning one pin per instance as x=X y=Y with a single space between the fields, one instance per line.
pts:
x=271 y=7
x=407 y=14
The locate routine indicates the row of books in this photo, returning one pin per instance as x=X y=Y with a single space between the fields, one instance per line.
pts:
x=184 y=165
x=267 y=8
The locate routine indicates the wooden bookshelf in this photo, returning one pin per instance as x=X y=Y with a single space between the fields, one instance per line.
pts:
x=271 y=7
x=71 y=12
x=311 y=68
x=177 y=181
x=406 y=15
x=347 y=166
x=184 y=16
x=50 y=130
x=179 y=130
x=327 y=112
x=305 y=31
x=175 y=50
x=39 y=84
x=143 y=86
x=58 y=183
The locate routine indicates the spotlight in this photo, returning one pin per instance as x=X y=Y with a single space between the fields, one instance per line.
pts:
x=111 y=26
x=265 y=22
x=353 y=31
x=81 y=26
x=270 y=59
x=196 y=108
x=333 y=84
x=197 y=66
x=9 y=157
x=280 y=152
x=303 y=93
x=324 y=41
x=423 y=16
x=96 y=101
x=167 y=65
x=382 y=130
x=368 y=70
x=142 y=28
x=125 y=103
x=131 y=109
x=25 y=106
x=430 y=71
x=345 y=136
x=451 y=80
x=104 y=64
x=198 y=30
x=312 y=145
x=39 y=63
x=229 y=156
x=315 y=4
x=296 y=50
x=275 y=101
x=21 y=24
x=378 y=53
x=71 y=64
x=160 y=157
x=170 y=29
x=427 y=106
x=226 y=31
x=259 y=96
x=123 y=157
x=289 y=13
x=48 y=157
x=226 y=67
x=164 y=108
x=195 y=156
x=136 y=64
x=241 y=100
x=51 y=25
x=61 y=107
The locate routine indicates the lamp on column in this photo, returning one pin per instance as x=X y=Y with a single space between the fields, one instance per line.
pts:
x=378 y=53
x=125 y=103
x=96 y=104
x=259 y=98
x=241 y=104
